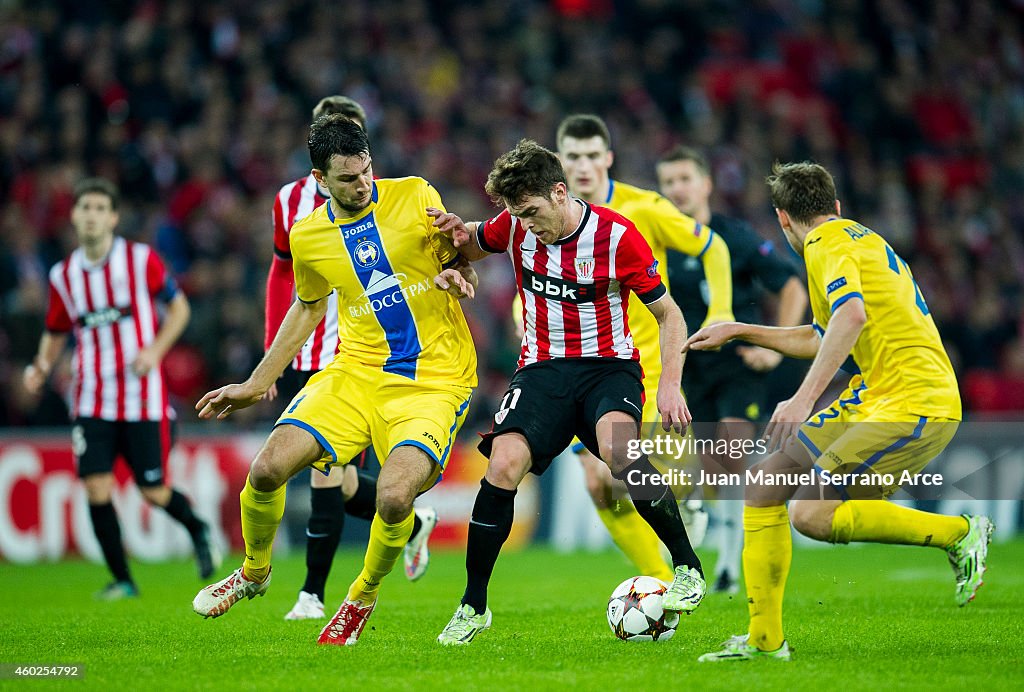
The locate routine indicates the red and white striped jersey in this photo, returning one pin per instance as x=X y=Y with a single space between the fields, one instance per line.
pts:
x=575 y=291
x=111 y=306
x=295 y=201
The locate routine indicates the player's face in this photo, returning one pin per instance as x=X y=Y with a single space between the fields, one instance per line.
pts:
x=93 y=217
x=685 y=185
x=548 y=219
x=349 y=179
x=586 y=163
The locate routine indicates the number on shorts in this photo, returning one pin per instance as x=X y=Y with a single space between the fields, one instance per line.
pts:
x=510 y=399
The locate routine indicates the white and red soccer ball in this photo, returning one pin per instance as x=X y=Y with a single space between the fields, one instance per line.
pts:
x=635 y=613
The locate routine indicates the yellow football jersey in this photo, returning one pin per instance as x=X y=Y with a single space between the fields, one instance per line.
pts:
x=382 y=263
x=899 y=358
x=665 y=227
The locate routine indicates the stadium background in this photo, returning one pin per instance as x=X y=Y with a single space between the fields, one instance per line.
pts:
x=200 y=113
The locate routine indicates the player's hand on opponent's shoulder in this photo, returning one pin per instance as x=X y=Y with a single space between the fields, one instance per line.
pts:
x=672 y=406
x=454 y=282
x=786 y=421
x=451 y=225
x=758 y=358
x=713 y=336
x=226 y=400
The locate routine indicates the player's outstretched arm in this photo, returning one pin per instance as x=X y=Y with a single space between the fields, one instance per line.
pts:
x=795 y=342
x=298 y=324
x=463 y=235
x=51 y=344
x=672 y=333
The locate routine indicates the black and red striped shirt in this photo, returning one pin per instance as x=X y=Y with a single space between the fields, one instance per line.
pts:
x=111 y=306
x=575 y=291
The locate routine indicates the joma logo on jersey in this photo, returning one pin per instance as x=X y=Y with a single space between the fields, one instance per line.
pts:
x=103 y=317
x=349 y=231
x=433 y=440
x=558 y=289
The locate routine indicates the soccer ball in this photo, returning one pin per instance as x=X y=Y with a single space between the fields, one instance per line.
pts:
x=635 y=614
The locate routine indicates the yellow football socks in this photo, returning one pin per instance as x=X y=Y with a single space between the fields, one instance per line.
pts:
x=636 y=539
x=880 y=521
x=382 y=552
x=261 y=515
x=767 y=554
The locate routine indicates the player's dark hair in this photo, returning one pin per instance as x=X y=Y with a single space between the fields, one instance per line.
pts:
x=350 y=108
x=99 y=186
x=805 y=190
x=583 y=126
x=528 y=170
x=685 y=153
x=333 y=135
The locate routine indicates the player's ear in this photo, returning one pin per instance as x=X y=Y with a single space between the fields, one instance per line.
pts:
x=610 y=158
x=318 y=175
x=839 y=209
x=783 y=217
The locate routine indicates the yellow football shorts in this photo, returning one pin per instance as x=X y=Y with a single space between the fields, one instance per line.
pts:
x=348 y=410
x=874 y=451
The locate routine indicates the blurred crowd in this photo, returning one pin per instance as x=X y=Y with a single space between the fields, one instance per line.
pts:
x=199 y=111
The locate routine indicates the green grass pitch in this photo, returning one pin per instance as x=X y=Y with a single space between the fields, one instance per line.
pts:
x=863 y=617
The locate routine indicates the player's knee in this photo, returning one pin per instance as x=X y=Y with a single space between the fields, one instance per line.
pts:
x=505 y=472
x=811 y=519
x=393 y=503
x=349 y=482
x=98 y=488
x=509 y=463
x=264 y=476
x=158 y=495
x=599 y=482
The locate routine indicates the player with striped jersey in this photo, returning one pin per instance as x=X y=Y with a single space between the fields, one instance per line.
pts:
x=401 y=381
x=346 y=489
x=107 y=295
x=900 y=410
x=576 y=266
x=584 y=147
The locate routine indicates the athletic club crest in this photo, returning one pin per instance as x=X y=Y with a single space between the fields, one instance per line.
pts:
x=584 y=268
x=500 y=416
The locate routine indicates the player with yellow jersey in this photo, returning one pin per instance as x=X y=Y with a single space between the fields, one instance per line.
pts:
x=402 y=380
x=899 y=411
x=584 y=147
